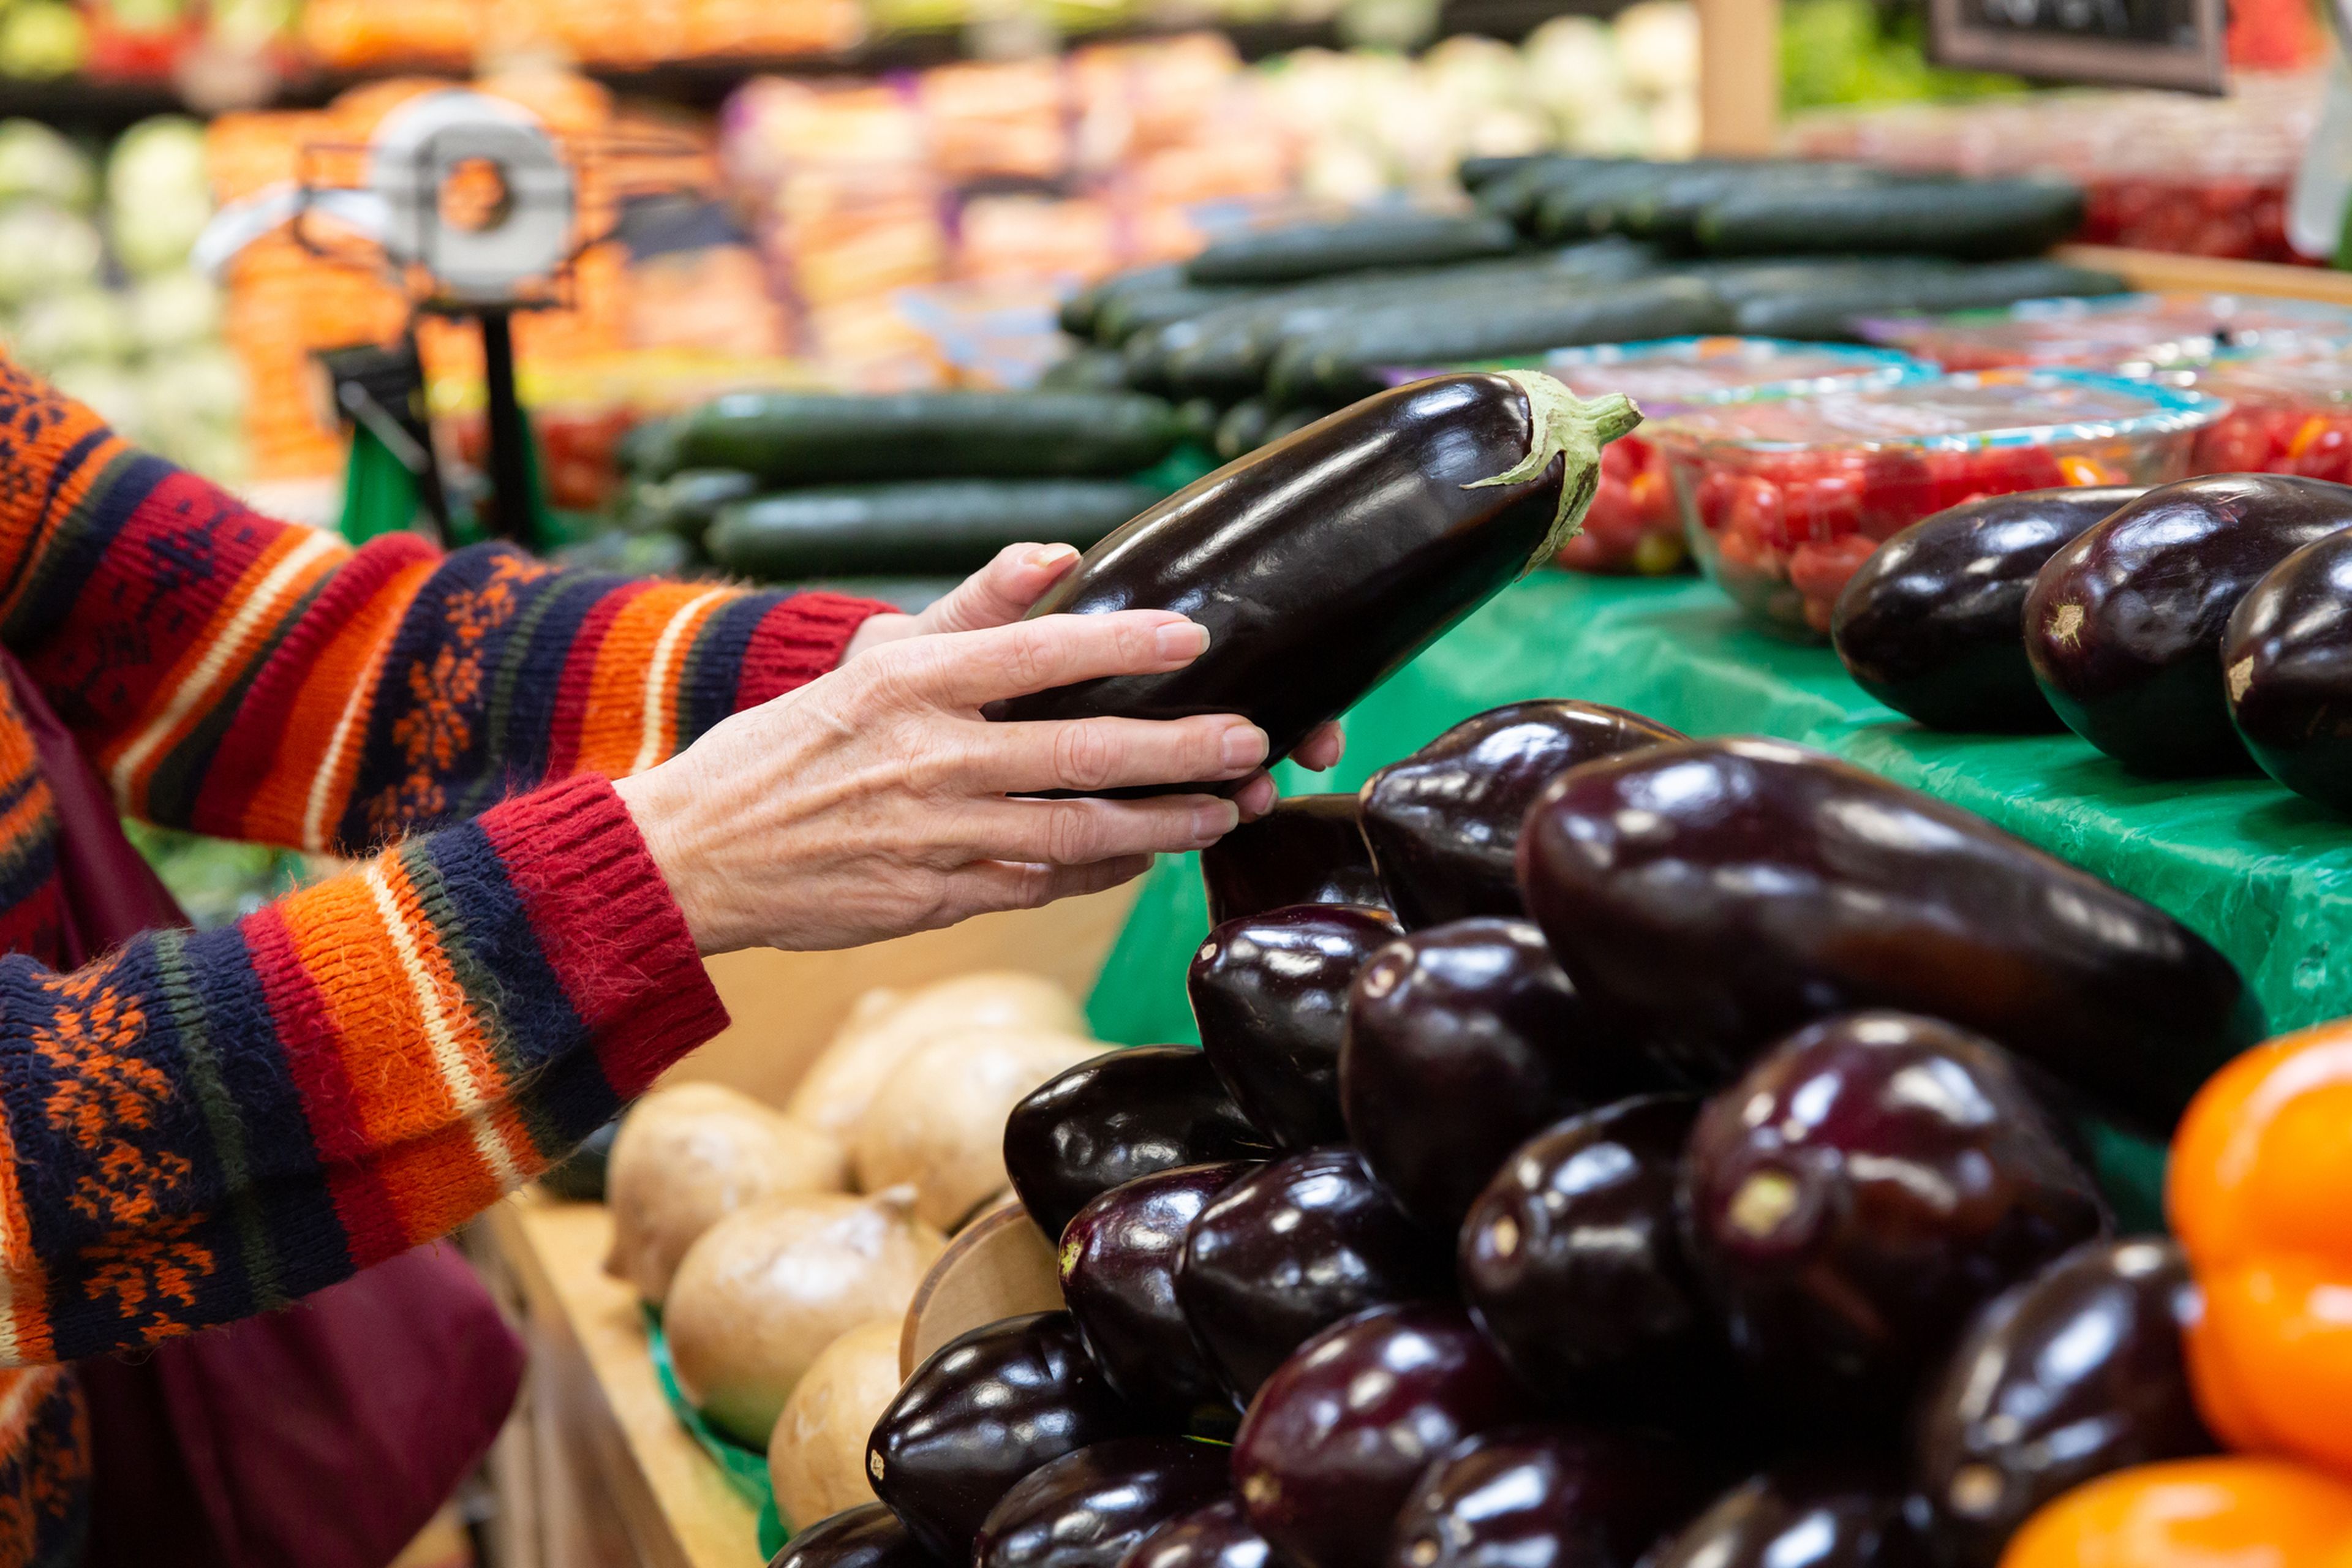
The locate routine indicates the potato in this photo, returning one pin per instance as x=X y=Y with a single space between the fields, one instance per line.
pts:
x=686 y=1157
x=885 y=1025
x=816 y=1454
x=768 y=1287
x=939 y=1121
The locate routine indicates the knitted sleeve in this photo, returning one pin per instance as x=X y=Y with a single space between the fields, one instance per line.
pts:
x=262 y=680
x=202 y=1126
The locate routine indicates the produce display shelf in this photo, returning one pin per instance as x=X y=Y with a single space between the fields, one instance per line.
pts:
x=2162 y=270
x=2264 y=874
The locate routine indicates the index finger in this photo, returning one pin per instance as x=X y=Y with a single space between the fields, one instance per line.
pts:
x=968 y=669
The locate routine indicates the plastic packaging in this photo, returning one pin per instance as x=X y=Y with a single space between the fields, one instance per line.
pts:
x=2290 y=413
x=1782 y=501
x=2123 y=334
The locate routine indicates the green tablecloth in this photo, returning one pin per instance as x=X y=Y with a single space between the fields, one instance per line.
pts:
x=2260 y=872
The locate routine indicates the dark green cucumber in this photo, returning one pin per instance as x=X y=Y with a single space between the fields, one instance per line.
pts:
x=1140 y=309
x=1086 y=370
x=1299 y=251
x=1077 y=313
x=920 y=528
x=1477 y=171
x=1830 y=312
x=1770 y=276
x=633 y=554
x=1973 y=220
x=1197 y=419
x=1513 y=196
x=1584 y=204
x=647 y=447
x=813 y=438
x=1243 y=429
x=1667 y=213
x=686 y=502
x=1342 y=364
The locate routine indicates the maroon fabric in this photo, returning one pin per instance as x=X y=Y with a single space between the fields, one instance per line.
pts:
x=325 y=1436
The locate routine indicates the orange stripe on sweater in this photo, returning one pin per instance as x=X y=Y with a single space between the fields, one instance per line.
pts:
x=30 y=512
x=612 y=725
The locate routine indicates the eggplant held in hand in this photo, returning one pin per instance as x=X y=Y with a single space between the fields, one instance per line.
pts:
x=1322 y=563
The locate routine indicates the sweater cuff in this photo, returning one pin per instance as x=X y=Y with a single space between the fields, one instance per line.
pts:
x=608 y=926
x=803 y=637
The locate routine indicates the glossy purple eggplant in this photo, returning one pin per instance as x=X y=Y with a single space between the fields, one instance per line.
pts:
x=1933 y=625
x=1270 y=995
x=1707 y=898
x=1443 y=823
x=1322 y=563
x=1215 y=1535
x=1545 y=1497
x=1461 y=1040
x=2074 y=1373
x=2286 y=668
x=1308 y=849
x=1334 y=1442
x=1119 y=1279
x=1806 y=1513
x=868 y=1536
x=987 y=1408
x=1854 y=1198
x=2124 y=625
x=1573 y=1260
x=1088 y=1509
x=1125 y=1114
x=1290 y=1249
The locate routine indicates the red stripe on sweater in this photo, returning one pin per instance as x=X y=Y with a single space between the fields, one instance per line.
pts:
x=579 y=677
x=803 y=637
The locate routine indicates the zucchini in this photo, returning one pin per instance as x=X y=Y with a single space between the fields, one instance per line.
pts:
x=1475 y=170
x=684 y=503
x=803 y=438
x=1243 y=429
x=1584 y=204
x=648 y=446
x=1077 y=313
x=1139 y=310
x=1973 y=220
x=1342 y=363
x=1299 y=251
x=1667 y=212
x=1829 y=312
x=920 y=528
x=1087 y=369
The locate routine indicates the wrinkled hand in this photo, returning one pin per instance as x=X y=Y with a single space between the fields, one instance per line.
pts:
x=873 y=801
x=1001 y=592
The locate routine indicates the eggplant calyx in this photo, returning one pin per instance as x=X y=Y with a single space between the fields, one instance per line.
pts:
x=1562 y=424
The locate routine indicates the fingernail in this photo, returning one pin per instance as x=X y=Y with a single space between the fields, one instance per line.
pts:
x=1183 y=639
x=1244 y=746
x=1214 y=820
x=1051 y=554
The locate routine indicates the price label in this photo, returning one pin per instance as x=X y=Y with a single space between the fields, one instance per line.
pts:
x=2117 y=43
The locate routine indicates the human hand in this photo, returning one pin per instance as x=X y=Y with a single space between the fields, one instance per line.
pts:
x=874 y=801
x=1000 y=592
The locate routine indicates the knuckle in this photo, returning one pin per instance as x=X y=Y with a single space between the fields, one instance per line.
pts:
x=1083 y=756
x=1072 y=834
x=1029 y=656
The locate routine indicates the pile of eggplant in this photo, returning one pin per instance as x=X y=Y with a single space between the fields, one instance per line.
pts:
x=2197 y=628
x=1603 y=1148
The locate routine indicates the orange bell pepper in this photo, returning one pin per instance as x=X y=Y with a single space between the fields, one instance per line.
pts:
x=2259 y=1192
x=2226 y=1512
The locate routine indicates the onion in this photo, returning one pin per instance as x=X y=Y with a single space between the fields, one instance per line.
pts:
x=816 y=1454
x=686 y=1157
x=885 y=1025
x=939 y=1121
x=768 y=1287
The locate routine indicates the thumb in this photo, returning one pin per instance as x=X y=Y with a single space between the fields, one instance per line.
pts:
x=1000 y=592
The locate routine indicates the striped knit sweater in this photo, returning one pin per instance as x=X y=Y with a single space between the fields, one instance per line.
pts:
x=199 y=1127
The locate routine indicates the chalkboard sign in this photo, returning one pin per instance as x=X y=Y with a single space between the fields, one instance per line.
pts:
x=2120 y=43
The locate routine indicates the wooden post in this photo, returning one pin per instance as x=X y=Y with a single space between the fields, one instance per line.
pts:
x=1738 y=76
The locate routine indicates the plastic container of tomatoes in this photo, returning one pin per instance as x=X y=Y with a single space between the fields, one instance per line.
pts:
x=2290 y=413
x=1781 y=501
x=2128 y=334
x=1633 y=526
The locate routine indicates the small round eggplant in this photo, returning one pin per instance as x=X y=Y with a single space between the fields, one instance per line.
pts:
x=868 y=1536
x=1861 y=1192
x=2072 y=1374
x=1119 y=1279
x=1573 y=1260
x=1289 y=1250
x=985 y=1410
x=1090 y=1509
x=1443 y=824
x=1333 y=1443
x=1808 y=1513
x=1270 y=995
x=2124 y=625
x=1215 y=1536
x=1463 y=1040
x=1322 y=564
x=1125 y=1114
x=1544 y=1496
x=2286 y=667
x=1707 y=898
x=1309 y=850
x=1933 y=623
